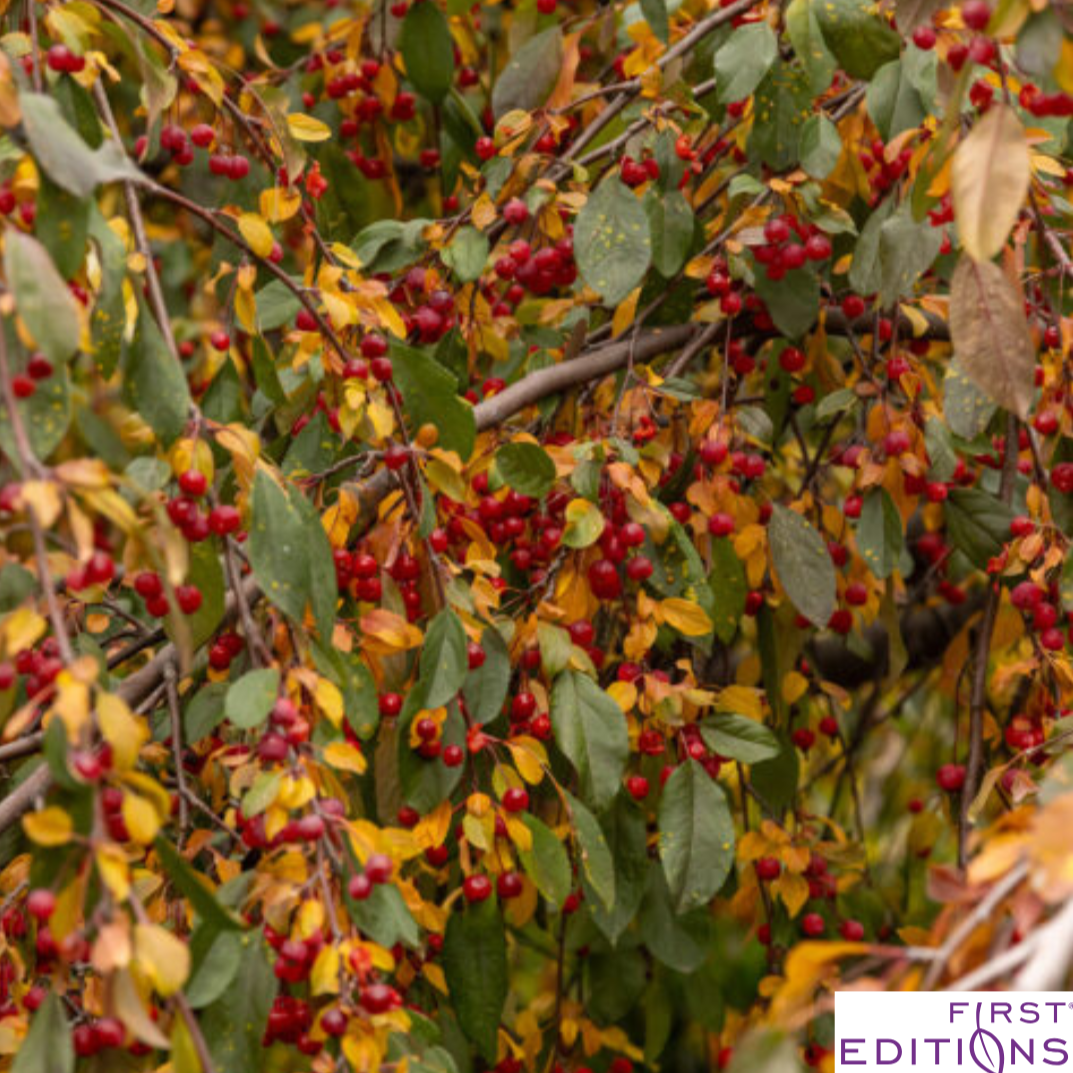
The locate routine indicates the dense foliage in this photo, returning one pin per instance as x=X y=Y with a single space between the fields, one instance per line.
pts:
x=533 y=533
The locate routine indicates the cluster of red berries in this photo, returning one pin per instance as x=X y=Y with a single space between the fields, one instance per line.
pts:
x=186 y=515
x=780 y=253
x=37 y=666
x=1040 y=608
x=63 y=61
x=38 y=368
x=150 y=588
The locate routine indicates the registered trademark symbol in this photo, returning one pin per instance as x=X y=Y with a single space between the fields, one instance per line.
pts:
x=1070 y=1005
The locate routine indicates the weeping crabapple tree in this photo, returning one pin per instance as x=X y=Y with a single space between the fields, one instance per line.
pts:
x=534 y=535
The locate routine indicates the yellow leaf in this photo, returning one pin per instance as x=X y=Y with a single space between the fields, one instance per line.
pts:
x=330 y=701
x=123 y=731
x=689 y=618
x=257 y=233
x=794 y=687
x=112 y=867
x=130 y=1009
x=21 y=629
x=324 y=977
x=111 y=949
x=386 y=632
x=280 y=203
x=162 y=956
x=990 y=178
x=529 y=758
x=584 y=523
x=142 y=820
x=343 y=756
x=49 y=827
x=307 y=129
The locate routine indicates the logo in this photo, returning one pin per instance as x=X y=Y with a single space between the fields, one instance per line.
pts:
x=972 y=1032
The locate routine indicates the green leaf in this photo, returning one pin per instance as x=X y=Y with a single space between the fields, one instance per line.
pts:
x=861 y=40
x=696 y=836
x=978 y=524
x=743 y=60
x=597 y=865
x=486 y=687
x=655 y=13
x=729 y=588
x=42 y=298
x=427 y=51
x=556 y=647
x=207 y=574
x=805 y=35
x=612 y=241
x=109 y=317
x=680 y=941
x=739 y=738
x=431 y=397
x=290 y=554
x=62 y=225
x=383 y=916
x=803 y=565
x=215 y=968
x=590 y=729
x=234 y=1024
x=47 y=1047
x=821 y=146
x=46 y=416
x=188 y=883
x=546 y=862
x=467 y=253
x=530 y=75
x=782 y=105
x=251 y=698
x=205 y=711
x=425 y=783
x=892 y=252
x=444 y=659
x=765 y=1051
x=793 y=301
x=893 y=101
x=475 y=964
x=154 y=383
x=262 y=793
x=526 y=467
x=349 y=671
x=968 y=411
x=60 y=150
x=880 y=533
x=671 y=224
x=277 y=305
x=623 y=825
x=1065 y=585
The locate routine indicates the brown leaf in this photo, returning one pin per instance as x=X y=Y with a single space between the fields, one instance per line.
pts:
x=990 y=334
x=989 y=179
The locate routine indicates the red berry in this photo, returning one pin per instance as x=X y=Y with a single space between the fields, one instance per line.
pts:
x=812 y=925
x=23 y=386
x=39 y=367
x=975 y=14
x=509 y=885
x=516 y=799
x=220 y=340
x=193 y=482
x=951 y=777
x=768 y=868
x=476 y=888
x=852 y=931
x=188 y=598
x=41 y=903
x=637 y=787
